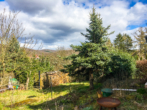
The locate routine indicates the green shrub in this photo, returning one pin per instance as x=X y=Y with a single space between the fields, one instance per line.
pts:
x=82 y=91
x=141 y=91
x=136 y=96
x=136 y=57
x=121 y=66
x=98 y=86
x=64 y=101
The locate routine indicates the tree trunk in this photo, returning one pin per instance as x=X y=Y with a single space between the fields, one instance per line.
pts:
x=91 y=80
x=27 y=83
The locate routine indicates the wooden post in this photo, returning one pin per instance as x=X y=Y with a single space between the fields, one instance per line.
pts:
x=51 y=86
x=76 y=108
x=62 y=107
x=56 y=105
x=91 y=80
x=27 y=83
x=1 y=78
x=39 y=79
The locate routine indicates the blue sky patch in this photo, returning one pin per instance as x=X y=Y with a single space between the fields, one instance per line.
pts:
x=130 y=27
x=95 y=2
x=132 y=4
x=143 y=1
x=83 y=4
x=66 y=2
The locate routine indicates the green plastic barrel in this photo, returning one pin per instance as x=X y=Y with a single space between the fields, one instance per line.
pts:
x=106 y=92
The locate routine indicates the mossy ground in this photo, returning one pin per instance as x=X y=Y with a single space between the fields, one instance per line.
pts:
x=66 y=95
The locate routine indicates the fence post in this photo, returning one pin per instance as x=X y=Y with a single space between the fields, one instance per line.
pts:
x=76 y=108
x=51 y=86
x=27 y=83
x=39 y=79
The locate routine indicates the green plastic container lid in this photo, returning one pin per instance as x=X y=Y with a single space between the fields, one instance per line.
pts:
x=107 y=90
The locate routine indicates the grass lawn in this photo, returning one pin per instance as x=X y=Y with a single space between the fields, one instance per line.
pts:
x=66 y=95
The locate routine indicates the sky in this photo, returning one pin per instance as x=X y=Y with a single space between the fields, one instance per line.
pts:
x=59 y=23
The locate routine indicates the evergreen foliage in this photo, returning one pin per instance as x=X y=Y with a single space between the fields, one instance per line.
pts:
x=13 y=58
x=123 y=42
x=17 y=61
x=96 y=32
x=13 y=45
x=91 y=58
x=31 y=67
x=108 y=43
x=121 y=66
x=93 y=55
x=140 y=41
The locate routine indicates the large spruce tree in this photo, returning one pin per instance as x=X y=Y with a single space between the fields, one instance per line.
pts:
x=92 y=55
x=96 y=32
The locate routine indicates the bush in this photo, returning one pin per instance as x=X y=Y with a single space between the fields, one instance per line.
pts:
x=121 y=66
x=98 y=85
x=141 y=91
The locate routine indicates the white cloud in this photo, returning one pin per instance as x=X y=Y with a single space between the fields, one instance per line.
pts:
x=2 y=6
x=57 y=24
x=121 y=16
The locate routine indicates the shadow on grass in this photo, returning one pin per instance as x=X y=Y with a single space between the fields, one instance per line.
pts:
x=70 y=100
x=62 y=88
x=50 y=104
